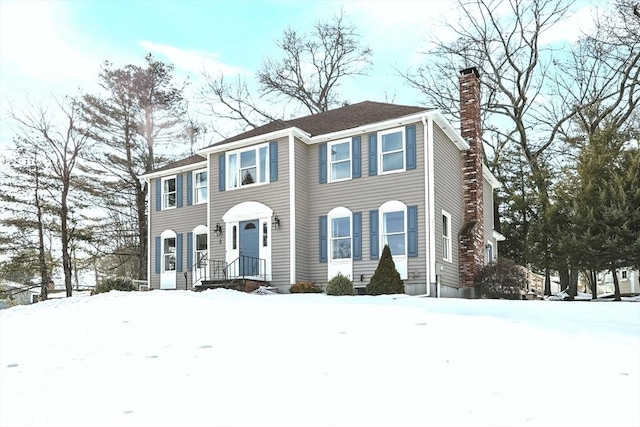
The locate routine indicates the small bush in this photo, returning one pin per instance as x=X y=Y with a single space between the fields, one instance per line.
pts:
x=386 y=279
x=114 y=285
x=305 y=288
x=502 y=279
x=340 y=285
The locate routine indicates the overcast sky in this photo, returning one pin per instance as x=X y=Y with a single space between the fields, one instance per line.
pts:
x=56 y=47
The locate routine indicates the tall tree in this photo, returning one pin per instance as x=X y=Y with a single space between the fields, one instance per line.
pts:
x=308 y=73
x=136 y=120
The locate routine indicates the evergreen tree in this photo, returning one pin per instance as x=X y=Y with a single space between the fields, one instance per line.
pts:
x=386 y=279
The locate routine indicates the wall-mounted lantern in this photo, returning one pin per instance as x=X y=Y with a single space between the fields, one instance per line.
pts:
x=217 y=230
x=276 y=222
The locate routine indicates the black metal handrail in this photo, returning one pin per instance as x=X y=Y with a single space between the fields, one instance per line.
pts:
x=242 y=267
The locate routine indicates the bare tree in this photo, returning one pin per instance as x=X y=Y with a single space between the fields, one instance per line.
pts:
x=308 y=74
x=61 y=142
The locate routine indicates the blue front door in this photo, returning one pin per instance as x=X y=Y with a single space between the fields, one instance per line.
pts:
x=249 y=248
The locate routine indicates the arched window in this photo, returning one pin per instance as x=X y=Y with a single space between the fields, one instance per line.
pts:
x=340 y=232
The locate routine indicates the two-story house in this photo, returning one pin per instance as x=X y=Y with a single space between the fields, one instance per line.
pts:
x=305 y=199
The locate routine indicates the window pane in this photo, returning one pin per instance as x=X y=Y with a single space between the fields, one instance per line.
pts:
x=248 y=158
x=232 y=173
x=265 y=229
x=341 y=170
x=394 y=161
x=392 y=142
x=396 y=243
x=201 y=179
x=201 y=242
x=341 y=248
x=201 y=195
x=170 y=185
x=445 y=226
x=264 y=164
x=340 y=152
x=340 y=227
x=169 y=245
x=169 y=262
x=393 y=222
x=248 y=176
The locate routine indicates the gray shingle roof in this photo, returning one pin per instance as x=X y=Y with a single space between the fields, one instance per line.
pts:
x=348 y=117
x=196 y=158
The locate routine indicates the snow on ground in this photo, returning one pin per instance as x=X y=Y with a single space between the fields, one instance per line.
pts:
x=225 y=358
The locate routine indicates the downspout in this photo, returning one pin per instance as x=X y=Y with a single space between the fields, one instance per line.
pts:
x=147 y=182
x=429 y=203
x=292 y=210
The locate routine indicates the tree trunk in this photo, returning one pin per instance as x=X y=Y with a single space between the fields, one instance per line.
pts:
x=64 y=232
x=616 y=285
x=593 y=281
x=141 y=207
x=42 y=260
x=547 y=281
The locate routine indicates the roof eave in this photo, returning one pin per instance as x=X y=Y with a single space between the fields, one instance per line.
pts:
x=265 y=137
x=176 y=170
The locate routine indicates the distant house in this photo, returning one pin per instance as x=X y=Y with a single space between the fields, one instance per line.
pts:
x=308 y=198
x=13 y=293
x=628 y=280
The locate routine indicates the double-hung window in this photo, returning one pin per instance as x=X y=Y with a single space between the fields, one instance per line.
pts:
x=201 y=250
x=392 y=150
x=201 y=186
x=446 y=236
x=341 y=238
x=340 y=160
x=169 y=193
x=169 y=252
x=394 y=232
x=248 y=167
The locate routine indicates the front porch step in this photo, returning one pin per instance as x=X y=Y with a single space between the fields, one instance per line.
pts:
x=240 y=284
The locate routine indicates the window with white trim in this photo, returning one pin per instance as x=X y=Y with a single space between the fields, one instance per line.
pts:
x=392 y=150
x=248 y=167
x=169 y=192
x=340 y=160
x=200 y=186
x=169 y=254
x=393 y=232
x=341 y=237
x=446 y=236
x=201 y=250
x=489 y=248
x=624 y=274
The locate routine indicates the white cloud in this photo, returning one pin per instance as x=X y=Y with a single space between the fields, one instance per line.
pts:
x=194 y=61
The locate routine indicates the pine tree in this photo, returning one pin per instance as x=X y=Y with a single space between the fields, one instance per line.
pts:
x=386 y=279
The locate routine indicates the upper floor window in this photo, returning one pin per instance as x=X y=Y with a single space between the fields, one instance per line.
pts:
x=200 y=188
x=340 y=160
x=624 y=274
x=446 y=236
x=169 y=192
x=247 y=167
x=392 y=148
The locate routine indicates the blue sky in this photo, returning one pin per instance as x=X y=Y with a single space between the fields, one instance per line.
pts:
x=56 y=47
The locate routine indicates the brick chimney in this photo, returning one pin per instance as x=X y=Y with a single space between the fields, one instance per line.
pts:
x=471 y=244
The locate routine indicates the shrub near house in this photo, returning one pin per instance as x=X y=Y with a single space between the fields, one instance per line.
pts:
x=502 y=279
x=386 y=279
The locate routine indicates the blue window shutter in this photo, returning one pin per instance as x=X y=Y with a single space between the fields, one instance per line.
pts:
x=373 y=154
x=158 y=248
x=410 y=133
x=374 y=243
x=323 y=238
x=221 y=174
x=189 y=251
x=179 y=253
x=412 y=228
x=189 y=188
x=356 y=163
x=357 y=236
x=273 y=161
x=158 y=194
x=179 y=190
x=323 y=163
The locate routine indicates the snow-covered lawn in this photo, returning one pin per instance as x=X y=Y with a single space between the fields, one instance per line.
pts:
x=225 y=358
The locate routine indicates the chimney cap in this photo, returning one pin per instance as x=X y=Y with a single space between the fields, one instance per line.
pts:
x=470 y=70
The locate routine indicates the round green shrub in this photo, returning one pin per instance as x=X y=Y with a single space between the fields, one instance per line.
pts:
x=117 y=284
x=340 y=285
x=386 y=279
x=503 y=279
x=305 y=288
